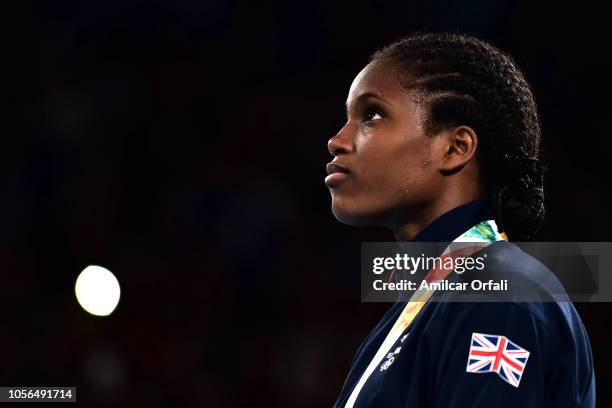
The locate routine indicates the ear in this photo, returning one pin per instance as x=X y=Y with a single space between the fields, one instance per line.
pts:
x=459 y=147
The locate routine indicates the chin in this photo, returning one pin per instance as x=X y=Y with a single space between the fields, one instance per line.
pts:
x=352 y=216
x=354 y=220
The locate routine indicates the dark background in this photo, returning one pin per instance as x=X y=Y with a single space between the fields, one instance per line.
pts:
x=182 y=145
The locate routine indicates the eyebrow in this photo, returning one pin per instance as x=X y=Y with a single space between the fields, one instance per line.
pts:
x=363 y=96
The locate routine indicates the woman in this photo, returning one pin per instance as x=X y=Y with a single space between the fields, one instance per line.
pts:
x=442 y=140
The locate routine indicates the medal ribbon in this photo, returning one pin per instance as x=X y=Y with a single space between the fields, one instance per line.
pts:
x=476 y=238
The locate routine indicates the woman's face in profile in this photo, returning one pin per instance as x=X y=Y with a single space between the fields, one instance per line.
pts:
x=381 y=172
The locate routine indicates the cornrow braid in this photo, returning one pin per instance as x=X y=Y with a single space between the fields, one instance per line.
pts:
x=461 y=79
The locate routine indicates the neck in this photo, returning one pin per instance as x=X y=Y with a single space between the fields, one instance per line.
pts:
x=419 y=220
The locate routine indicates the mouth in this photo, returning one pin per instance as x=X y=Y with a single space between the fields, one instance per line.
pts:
x=335 y=174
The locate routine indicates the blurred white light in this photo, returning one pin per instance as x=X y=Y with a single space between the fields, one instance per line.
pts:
x=97 y=290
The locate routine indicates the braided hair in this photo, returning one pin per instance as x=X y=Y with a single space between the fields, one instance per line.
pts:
x=462 y=80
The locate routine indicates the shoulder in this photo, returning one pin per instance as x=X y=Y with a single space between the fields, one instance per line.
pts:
x=535 y=299
x=510 y=352
x=548 y=326
x=534 y=291
x=505 y=260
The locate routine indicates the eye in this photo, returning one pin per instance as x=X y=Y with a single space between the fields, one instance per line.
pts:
x=372 y=114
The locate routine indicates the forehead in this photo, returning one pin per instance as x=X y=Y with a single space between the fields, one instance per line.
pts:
x=378 y=79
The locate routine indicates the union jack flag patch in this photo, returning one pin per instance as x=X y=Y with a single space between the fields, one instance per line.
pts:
x=497 y=354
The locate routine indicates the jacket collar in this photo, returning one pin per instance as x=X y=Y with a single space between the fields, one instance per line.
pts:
x=455 y=222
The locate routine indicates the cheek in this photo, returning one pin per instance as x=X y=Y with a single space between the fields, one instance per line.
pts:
x=391 y=173
x=419 y=187
x=396 y=167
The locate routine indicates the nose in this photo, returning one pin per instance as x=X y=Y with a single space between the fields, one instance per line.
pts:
x=340 y=143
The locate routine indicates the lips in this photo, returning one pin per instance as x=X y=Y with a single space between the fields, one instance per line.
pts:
x=335 y=174
x=336 y=168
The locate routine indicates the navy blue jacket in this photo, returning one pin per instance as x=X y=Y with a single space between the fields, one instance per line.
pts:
x=429 y=370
